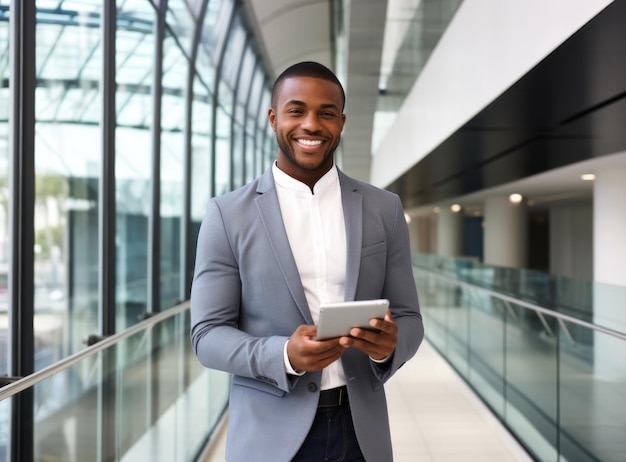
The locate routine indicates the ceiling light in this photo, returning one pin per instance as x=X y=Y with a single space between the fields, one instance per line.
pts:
x=587 y=177
x=456 y=208
x=515 y=198
x=436 y=210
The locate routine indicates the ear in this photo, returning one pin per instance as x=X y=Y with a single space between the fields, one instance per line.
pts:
x=271 y=115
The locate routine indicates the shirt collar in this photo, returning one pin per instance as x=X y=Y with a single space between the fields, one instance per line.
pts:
x=286 y=181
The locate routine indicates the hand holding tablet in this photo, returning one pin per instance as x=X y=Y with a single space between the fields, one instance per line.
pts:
x=336 y=319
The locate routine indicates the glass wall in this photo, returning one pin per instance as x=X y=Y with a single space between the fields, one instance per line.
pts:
x=182 y=132
x=135 y=149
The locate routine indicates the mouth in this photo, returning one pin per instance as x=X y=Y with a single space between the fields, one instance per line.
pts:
x=309 y=143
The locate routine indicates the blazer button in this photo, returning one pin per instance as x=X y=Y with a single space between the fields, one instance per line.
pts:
x=312 y=387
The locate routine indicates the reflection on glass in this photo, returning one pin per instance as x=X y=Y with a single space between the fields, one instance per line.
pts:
x=67 y=165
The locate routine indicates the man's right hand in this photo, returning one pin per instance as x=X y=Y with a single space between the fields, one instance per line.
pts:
x=307 y=354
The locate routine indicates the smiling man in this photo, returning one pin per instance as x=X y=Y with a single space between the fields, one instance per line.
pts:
x=269 y=254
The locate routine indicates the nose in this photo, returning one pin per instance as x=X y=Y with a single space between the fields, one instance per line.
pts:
x=311 y=122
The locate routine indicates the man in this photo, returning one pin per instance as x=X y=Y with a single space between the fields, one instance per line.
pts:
x=268 y=255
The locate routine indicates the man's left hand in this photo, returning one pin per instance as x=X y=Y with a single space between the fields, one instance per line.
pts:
x=377 y=345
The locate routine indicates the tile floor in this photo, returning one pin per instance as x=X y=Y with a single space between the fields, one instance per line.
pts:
x=435 y=417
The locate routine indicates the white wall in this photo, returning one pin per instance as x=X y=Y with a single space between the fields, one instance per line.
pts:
x=488 y=46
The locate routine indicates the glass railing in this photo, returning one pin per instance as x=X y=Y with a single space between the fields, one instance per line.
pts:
x=556 y=380
x=136 y=396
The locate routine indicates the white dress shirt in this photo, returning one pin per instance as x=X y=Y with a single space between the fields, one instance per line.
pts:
x=317 y=236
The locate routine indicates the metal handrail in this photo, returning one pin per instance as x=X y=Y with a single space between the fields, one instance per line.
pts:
x=22 y=384
x=530 y=306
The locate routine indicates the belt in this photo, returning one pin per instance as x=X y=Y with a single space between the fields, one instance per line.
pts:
x=335 y=397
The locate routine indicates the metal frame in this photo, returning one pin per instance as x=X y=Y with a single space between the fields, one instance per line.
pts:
x=22 y=220
x=539 y=310
x=185 y=247
x=33 y=379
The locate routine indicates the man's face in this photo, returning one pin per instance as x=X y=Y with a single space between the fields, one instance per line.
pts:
x=308 y=121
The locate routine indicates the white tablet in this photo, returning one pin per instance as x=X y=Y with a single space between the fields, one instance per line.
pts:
x=336 y=319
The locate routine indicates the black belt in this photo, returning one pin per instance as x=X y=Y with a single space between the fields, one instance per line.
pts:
x=334 y=397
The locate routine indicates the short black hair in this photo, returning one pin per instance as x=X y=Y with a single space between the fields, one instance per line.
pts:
x=307 y=69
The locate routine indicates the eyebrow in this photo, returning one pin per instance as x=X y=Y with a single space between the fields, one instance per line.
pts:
x=296 y=102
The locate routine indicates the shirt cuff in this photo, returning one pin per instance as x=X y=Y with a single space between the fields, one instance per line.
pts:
x=380 y=361
x=290 y=370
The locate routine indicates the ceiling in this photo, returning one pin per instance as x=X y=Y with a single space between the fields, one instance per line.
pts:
x=561 y=119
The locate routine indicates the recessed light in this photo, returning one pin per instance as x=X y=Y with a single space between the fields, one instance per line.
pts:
x=587 y=177
x=515 y=198
x=456 y=208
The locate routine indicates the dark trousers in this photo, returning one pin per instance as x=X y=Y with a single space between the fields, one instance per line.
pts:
x=331 y=438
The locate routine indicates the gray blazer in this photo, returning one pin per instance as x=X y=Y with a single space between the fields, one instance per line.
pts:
x=247 y=299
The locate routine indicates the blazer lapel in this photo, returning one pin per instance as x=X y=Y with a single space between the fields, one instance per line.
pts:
x=352 y=202
x=272 y=222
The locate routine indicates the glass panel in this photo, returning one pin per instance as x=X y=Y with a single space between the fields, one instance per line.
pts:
x=486 y=352
x=215 y=23
x=200 y=152
x=222 y=153
x=66 y=413
x=134 y=56
x=5 y=416
x=238 y=154
x=180 y=23
x=140 y=387
x=67 y=169
x=268 y=137
x=593 y=396
x=172 y=170
x=4 y=195
x=532 y=380
x=557 y=385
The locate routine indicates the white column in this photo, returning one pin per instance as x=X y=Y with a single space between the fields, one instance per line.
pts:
x=420 y=234
x=609 y=262
x=505 y=233
x=449 y=233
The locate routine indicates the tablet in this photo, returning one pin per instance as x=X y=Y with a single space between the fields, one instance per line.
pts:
x=336 y=319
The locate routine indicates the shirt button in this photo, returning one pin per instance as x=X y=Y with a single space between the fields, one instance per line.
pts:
x=312 y=387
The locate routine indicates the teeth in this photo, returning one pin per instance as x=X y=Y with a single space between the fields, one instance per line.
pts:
x=310 y=142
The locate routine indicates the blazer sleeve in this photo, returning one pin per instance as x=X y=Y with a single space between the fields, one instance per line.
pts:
x=215 y=309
